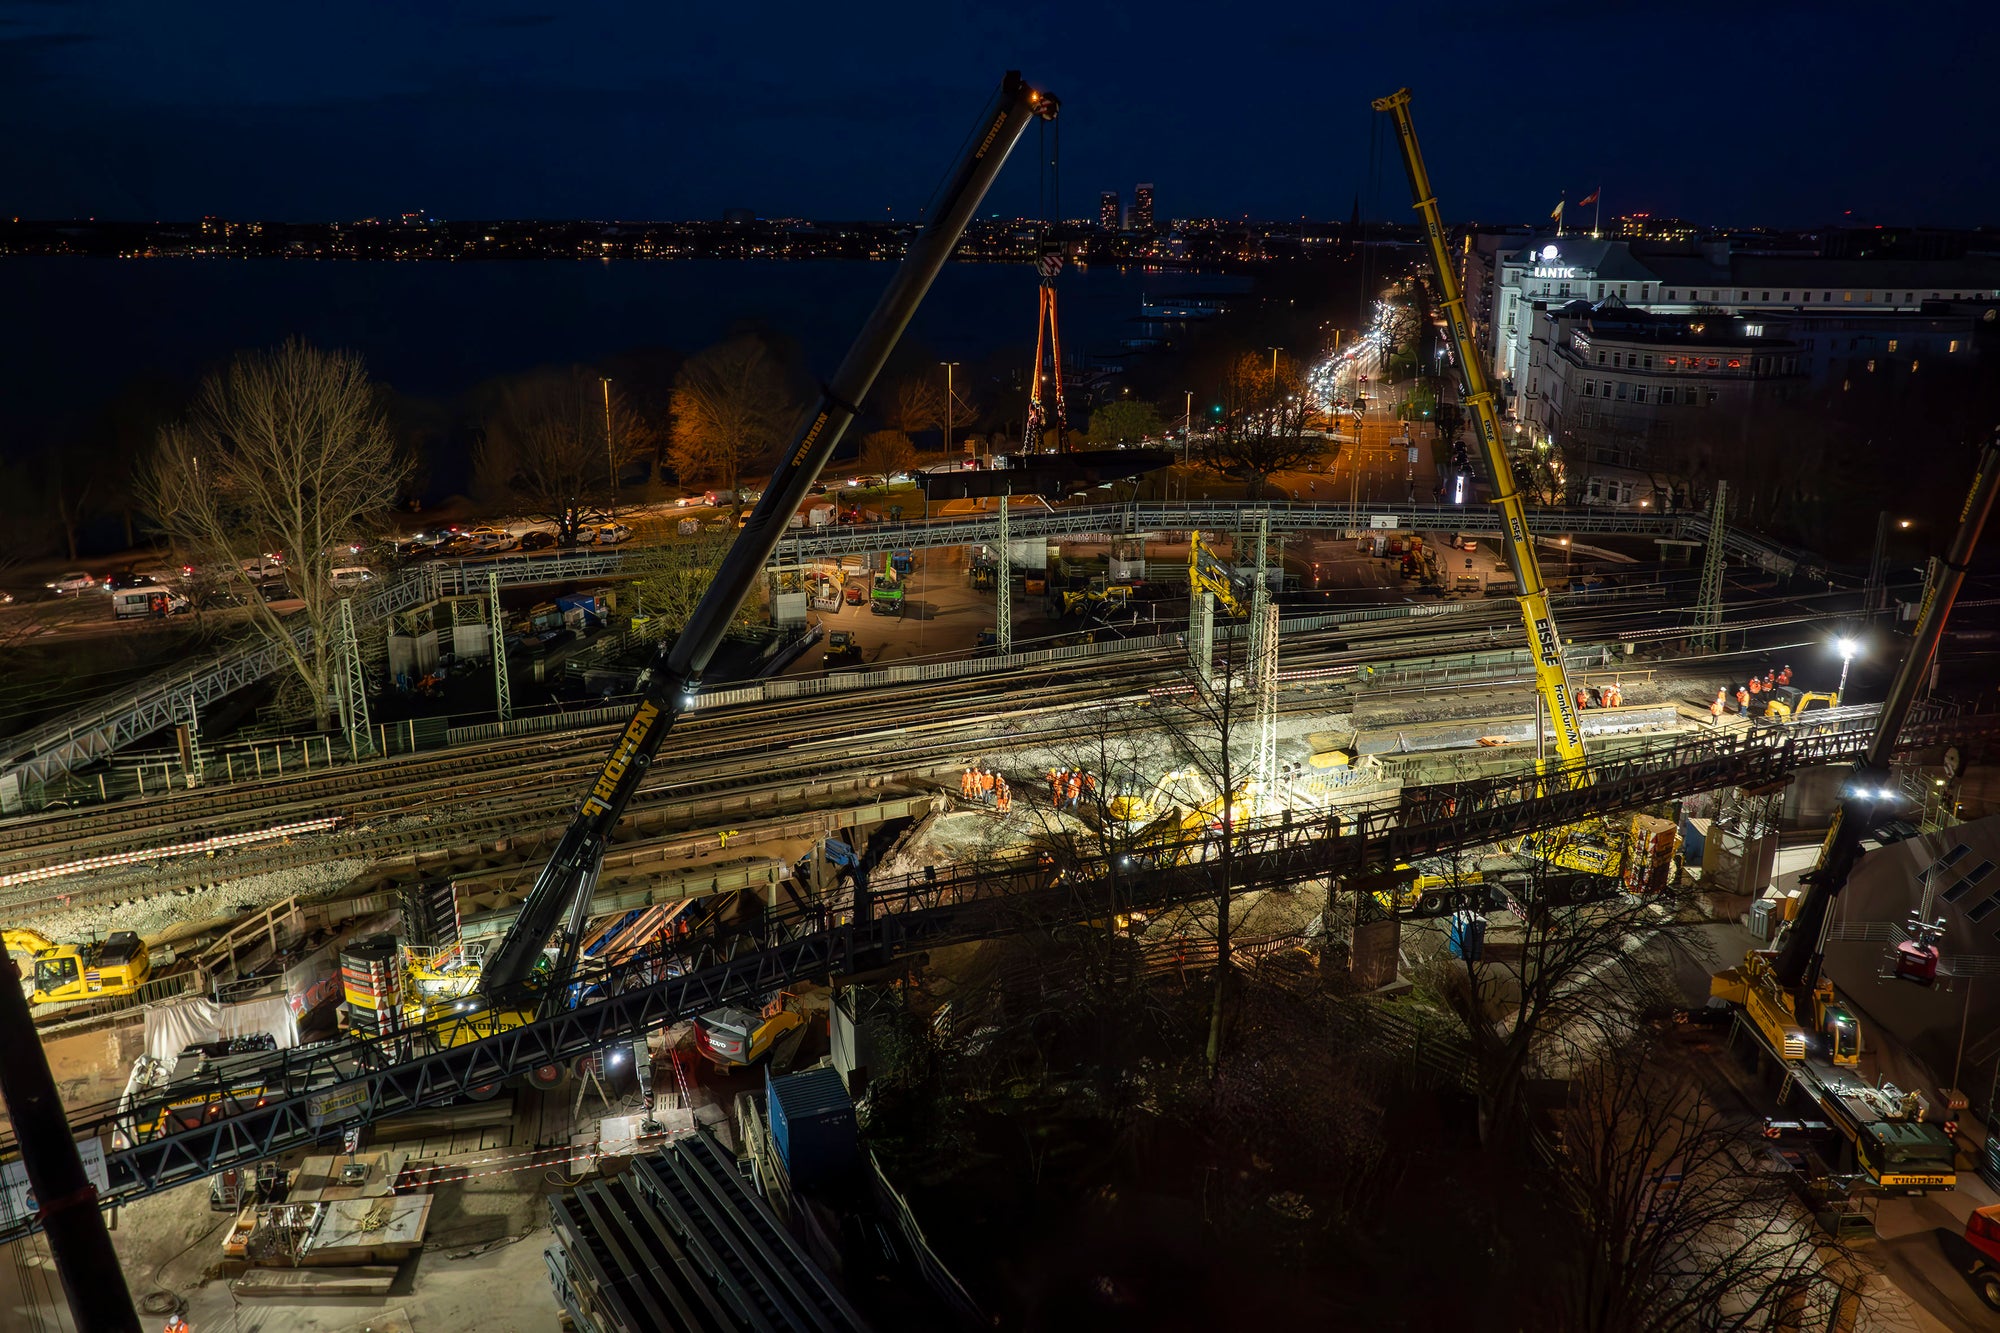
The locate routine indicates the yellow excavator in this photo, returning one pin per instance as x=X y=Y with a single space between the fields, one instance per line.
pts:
x=1788 y=701
x=1208 y=572
x=1111 y=594
x=66 y=973
x=733 y=1036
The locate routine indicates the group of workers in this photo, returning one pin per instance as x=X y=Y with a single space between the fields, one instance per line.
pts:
x=1069 y=787
x=1599 y=696
x=1745 y=694
x=987 y=787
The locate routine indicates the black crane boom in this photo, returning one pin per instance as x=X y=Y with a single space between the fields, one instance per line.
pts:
x=667 y=686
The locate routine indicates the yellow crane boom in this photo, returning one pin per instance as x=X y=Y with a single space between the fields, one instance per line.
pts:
x=1550 y=678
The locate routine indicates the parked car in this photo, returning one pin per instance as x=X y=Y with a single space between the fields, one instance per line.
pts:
x=458 y=546
x=610 y=534
x=73 y=582
x=538 y=540
x=856 y=594
x=126 y=579
x=493 y=538
x=352 y=576
x=817 y=488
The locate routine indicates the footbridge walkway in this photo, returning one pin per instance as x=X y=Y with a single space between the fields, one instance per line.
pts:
x=95 y=730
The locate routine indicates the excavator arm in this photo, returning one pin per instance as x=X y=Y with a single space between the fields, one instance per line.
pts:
x=667 y=687
x=1543 y=638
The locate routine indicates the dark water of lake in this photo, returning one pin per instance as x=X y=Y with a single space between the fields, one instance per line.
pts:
x=73 y=331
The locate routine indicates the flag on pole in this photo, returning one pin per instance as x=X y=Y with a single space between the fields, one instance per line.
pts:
x=1557 y=215
x=1590 y=198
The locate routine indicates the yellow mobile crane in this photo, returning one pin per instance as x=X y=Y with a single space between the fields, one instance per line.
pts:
x=1546 y=642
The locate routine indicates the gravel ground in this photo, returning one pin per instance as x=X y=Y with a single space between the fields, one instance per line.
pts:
x=151 y=916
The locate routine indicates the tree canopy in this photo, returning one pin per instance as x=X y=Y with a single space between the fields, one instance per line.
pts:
x=732 y=406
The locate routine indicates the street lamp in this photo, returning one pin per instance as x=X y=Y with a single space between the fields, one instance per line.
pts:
x=1847 y=648
x=610 y=463
x=949 y=366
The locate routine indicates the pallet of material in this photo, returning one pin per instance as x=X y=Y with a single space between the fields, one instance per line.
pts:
x=297 y=1283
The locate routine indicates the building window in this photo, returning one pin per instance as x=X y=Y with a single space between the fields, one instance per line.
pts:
x=1788 y=296
x=1590 y=388
x=1871 y=365
x=1766 y=296
x=1845 y=296
x=1826 y=296
x=1954 y=346
x=1649 y=362
x=1670 y=294
x=1711 y=398
x=1913 y=365
x=1666 y=396
x=1563 y=290
x=1623 y=288
x=1892 y=344
x=1807 y=297
x=1600 y=291
x=1909 y=298
x=1621 y=389
x=1753 y=330
x=1638 y=393
x=1600 y=358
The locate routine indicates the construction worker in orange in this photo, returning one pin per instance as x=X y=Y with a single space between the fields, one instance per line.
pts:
x=1074 y=790
x=1785 y=674
x=1003 y=796
x=965 y=784
x=1612 y=696
x=1715 y=710
x=1743 y=700
x=1089 y=785
x=986 y=784
x=1582 y=698
x=1753 y=685
x=1055 y=786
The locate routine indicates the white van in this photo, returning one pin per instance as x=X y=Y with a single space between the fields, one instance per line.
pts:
x=145 y=602
x=351 y=577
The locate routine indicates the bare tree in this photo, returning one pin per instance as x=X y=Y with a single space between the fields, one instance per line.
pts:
x=919 y=406
x=888 y=452
x=1674 y=1218
x=283 y=451
x=557 y=443
x=1569 y=972
x=732 y=405
x=671 y=576
x=70 y=483
x=1262 y=431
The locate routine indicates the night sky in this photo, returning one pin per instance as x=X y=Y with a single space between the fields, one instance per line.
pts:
x=1788 y=112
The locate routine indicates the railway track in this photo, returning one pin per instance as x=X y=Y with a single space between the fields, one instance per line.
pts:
x=482 y=786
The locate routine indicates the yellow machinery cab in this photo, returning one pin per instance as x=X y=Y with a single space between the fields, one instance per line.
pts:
x=68 y=972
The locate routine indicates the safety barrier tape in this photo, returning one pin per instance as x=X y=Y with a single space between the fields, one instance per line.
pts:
x=214 y=844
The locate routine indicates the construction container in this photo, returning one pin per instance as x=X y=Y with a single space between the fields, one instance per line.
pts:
x=812 y=1125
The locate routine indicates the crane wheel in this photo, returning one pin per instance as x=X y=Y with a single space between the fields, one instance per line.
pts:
x=548 y=1077
x=484 y=1092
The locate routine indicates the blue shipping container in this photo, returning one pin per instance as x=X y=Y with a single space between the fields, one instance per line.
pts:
x=812 y=1125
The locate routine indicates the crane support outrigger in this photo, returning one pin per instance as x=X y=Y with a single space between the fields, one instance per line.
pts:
x=667 y=687
x=1543 y=638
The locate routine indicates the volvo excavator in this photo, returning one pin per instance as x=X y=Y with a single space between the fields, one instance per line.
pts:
x=529 y=972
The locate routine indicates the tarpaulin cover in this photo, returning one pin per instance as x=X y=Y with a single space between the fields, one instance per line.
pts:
x=174 y=1026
